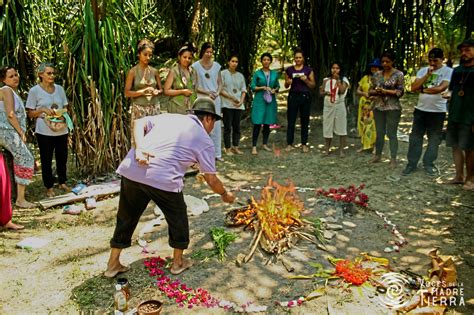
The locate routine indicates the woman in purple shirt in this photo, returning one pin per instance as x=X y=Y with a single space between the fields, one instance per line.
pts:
x=300 y=79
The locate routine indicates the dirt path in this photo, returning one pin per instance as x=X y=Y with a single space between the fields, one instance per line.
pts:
x=65 y=275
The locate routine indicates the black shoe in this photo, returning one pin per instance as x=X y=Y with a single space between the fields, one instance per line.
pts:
x=408 y=170
x=431 y=170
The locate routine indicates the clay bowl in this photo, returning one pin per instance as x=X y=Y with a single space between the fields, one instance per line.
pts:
x=150 y=307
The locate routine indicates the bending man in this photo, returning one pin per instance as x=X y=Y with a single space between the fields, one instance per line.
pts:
x=154 y=171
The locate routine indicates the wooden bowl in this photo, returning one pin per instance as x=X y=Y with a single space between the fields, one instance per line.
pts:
x=150 y=307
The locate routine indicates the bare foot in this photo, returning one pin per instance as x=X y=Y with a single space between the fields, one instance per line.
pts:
x=111 y=272
x=267 y=148
x=375 y=159
x=237 y=151
x=455 y=181
x=12 y=226
x=64 y=187
x=468 y=185
x=289 y=148
x=177 y=269
x=25 y=204
x=254 y=150
x=393 y=163
x=305 y=148
x=50 y=192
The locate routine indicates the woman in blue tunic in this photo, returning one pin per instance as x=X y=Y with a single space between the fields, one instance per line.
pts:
x=264 y=85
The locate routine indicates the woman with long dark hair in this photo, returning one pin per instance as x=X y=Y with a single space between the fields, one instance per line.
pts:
x=300 y=79
x=386 y=88
x=12 y=132
x=365 y=117
x=265 y=85
x=233 y=97
x=179 y=83
x=334 y=90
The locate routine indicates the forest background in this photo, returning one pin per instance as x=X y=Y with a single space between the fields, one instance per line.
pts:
x=93 y=44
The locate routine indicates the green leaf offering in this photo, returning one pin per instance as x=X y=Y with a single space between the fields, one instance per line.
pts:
x=221 y=239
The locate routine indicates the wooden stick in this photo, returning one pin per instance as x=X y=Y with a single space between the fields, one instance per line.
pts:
x=257 y=240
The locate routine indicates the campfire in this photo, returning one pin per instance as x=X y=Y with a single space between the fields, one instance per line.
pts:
x=275 y=218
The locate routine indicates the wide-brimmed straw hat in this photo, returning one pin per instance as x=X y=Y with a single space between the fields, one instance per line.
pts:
x=205 y=105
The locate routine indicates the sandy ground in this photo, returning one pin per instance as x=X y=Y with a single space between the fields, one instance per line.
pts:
x=65 y=276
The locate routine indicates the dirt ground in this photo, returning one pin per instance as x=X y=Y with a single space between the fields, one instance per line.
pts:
x=65 y=276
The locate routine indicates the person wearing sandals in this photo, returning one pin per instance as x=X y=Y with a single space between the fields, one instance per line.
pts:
x=429 y=113
x=265 y=85
x=179 y=83
x=208 y=83
x=44 y=101
x=143 y=84
x=6 y=210
x=365 y=117
x=233 y=96
x=154 y=170
x=386 y=88
x=300 y=79
x=334 y=90
x=12 y=132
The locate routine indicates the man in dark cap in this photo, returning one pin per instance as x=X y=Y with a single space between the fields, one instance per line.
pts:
x=166 y=145
x=430 y=112
x=461 y=116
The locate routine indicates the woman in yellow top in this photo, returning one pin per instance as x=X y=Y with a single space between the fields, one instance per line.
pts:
x=365 y=118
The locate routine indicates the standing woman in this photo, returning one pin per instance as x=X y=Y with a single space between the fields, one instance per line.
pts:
x=387 y=87
x=143 y=84
x=264 y=106
x=300 y=79
x=208 y=83
x=334 y=90
x=365 y=118
x=12 y=132
x=233 y=97
x=44 y=100
x=179 y=82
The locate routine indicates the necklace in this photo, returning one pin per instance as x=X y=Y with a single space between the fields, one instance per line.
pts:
x=145 y=80
x=183 y=76
x=234 y=85
x=332 y=91
x=463 y=80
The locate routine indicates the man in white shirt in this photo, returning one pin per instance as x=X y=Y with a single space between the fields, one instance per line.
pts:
x=429 y=114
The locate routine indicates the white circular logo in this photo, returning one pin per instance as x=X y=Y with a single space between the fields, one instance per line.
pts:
x=395 y=295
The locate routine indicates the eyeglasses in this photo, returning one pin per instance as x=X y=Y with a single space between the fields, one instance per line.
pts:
x=50 y=73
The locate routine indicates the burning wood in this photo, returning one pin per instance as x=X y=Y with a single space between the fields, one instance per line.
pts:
x=275 y=218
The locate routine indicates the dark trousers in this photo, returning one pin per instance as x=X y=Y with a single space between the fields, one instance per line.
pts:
x=298 y=102
x=134 y=198
x=231 y=119
x=49 y=146
x=256 y=132
x=431 y=124
x=386 y=123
